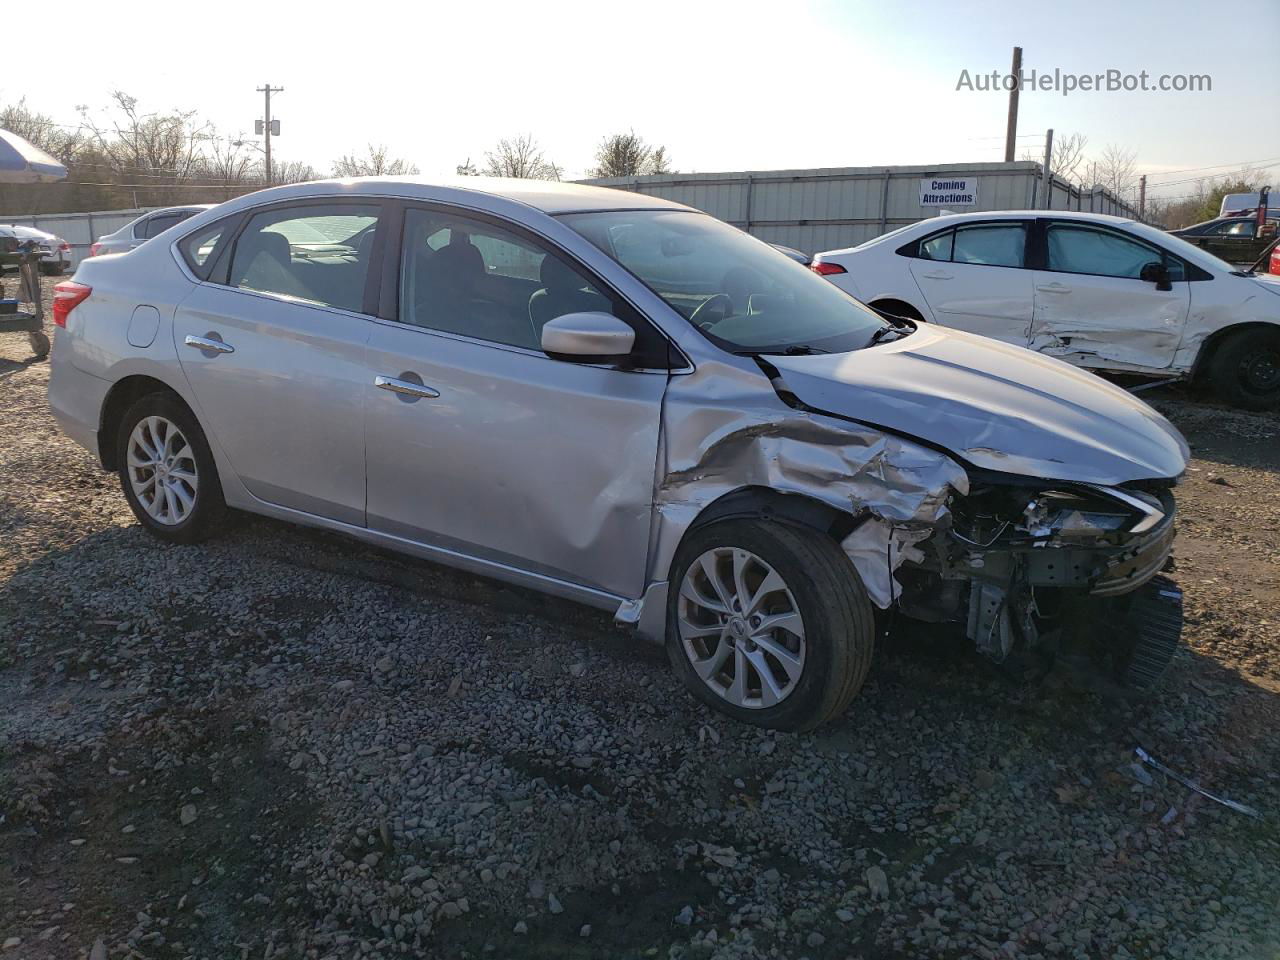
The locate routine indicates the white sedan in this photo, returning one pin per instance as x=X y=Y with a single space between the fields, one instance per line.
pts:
x=1100 y=292
x=55 y=253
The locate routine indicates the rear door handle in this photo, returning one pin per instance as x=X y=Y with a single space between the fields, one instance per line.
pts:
x=1053 y=288
x=209 y=345
x=406 y=388
x=937 y=275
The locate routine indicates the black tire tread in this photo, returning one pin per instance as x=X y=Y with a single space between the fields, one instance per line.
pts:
x=211 y=508
x=1226 y=361
x=847 y=609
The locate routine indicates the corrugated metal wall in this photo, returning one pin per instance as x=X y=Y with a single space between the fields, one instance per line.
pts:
x=79 y=229
x=830 y=208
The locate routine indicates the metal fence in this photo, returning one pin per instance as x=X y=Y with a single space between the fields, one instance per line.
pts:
x=80 y=230
x=812 y=210
x=830 y=208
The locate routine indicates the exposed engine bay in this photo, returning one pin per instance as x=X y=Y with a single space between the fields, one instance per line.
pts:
x=1028 y=571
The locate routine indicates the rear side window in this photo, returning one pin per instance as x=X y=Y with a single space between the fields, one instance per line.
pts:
x=319 y=253
x=992 y=245
x=984 y=244
x=200 y=249
x=937 y=248
x=159 y=224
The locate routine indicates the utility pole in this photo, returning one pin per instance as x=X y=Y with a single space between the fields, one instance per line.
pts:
x=1048 y=172
x=1142 y=196
x=267 y=126
x=1011 y=131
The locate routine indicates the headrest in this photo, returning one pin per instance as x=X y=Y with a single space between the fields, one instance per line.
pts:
x=557 y=276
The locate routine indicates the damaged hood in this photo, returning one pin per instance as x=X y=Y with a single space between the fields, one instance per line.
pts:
x=993 y=405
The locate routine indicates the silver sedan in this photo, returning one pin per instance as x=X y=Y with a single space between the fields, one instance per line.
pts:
x=623 y=401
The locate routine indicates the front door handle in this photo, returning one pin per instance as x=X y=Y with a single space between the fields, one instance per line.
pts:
x=1053 y=288
x=209 y=345
x=937 y=275
x=406 y=388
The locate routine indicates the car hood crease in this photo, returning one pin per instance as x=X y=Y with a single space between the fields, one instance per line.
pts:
x=994 y=406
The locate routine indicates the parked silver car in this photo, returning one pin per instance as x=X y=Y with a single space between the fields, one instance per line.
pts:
x=150 y=224
x=621 y=400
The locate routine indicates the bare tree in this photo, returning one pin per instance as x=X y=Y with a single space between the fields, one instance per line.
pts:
x=376 y=164
x=38 y=129
x=167 y=147
x=467 y=169
x=520 y=157
x=293 y=171
x=627 y=155
x=1068 y=156
x=1116 y=170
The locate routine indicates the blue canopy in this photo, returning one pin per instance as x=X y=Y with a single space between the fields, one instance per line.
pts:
x=21 y=162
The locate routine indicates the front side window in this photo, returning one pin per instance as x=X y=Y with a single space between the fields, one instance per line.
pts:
x=476 y=279
x=739 y=291
x=1243 y=228
x=319 y=253
x=1076 y=249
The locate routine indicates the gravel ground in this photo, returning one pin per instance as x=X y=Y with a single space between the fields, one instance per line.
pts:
x=281 y=744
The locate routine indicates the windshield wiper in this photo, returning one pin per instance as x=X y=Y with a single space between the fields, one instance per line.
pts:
x=795 y=350
x=884 y=332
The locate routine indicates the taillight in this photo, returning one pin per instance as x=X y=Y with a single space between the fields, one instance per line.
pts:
x=824 y=269
x=94 y=249
x=66 y=297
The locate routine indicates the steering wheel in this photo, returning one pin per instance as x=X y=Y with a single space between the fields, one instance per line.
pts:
x=726 y=308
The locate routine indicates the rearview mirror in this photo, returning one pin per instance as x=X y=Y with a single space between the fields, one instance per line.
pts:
x=1156 y=273
x=591 y=337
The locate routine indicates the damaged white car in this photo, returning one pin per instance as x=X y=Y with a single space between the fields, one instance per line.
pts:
x=623 y=401
x=1100 y=292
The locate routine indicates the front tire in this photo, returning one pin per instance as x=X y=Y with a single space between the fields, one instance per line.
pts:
x=768 y=623
x=167 y=470
x=1245 y=369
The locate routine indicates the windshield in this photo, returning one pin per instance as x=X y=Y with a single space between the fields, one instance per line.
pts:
x=740 y=292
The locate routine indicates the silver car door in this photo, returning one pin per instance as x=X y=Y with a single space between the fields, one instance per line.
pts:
x=275 y=355
x=479 y=443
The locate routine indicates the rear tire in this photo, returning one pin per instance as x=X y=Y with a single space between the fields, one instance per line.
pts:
x=813 y=673
x=1245 y=369
x=167 y=471
x=51 y=269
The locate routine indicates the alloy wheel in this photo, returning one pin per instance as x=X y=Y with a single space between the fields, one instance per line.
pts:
x=162 y=470
x=741 y=628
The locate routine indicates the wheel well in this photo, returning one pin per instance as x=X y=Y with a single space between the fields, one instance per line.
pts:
x=1215 y=340
x=773 y=504
x=898 y=308
x=122 y=396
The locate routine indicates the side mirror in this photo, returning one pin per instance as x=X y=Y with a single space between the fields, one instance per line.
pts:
x=1156 y=273
x=591 y=337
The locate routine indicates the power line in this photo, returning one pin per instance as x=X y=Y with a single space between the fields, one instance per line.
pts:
x=1268 y=161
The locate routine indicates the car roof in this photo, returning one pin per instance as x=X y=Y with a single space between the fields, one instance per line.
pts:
x=1023 y=214
x=21 y=228
x=548 y=196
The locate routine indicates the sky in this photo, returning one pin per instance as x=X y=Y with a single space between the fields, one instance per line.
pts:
x=724 y=86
